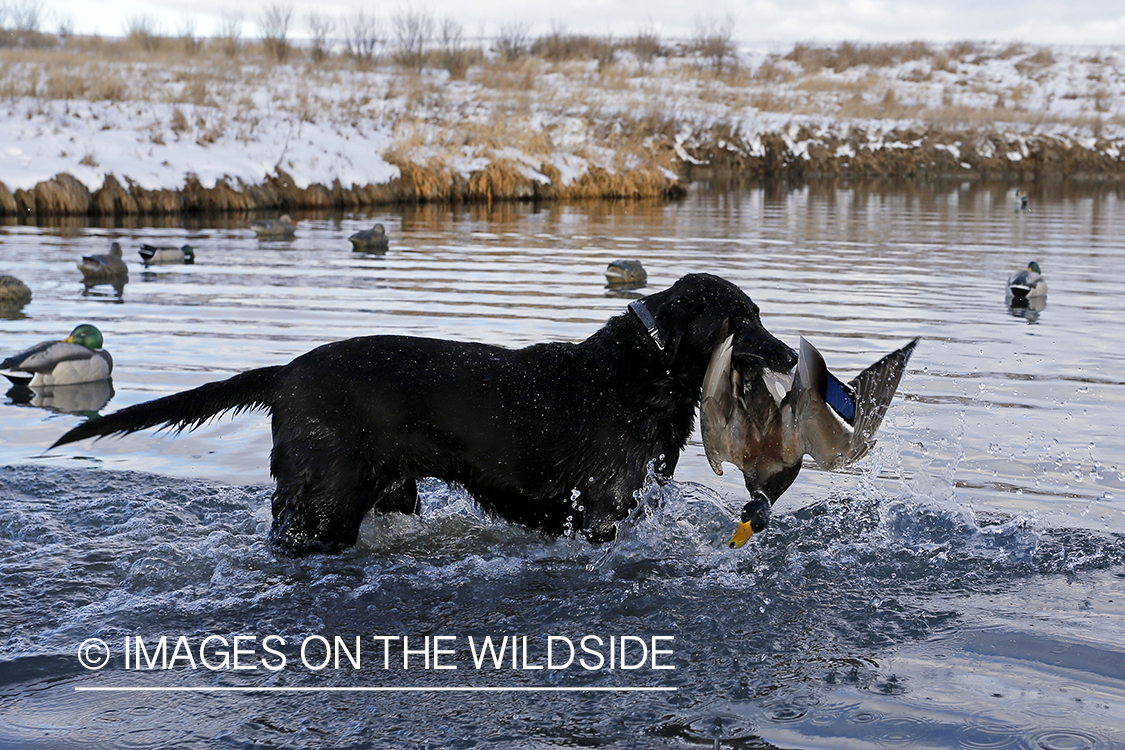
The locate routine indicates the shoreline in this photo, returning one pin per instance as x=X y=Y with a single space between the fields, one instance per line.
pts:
x=916 y=154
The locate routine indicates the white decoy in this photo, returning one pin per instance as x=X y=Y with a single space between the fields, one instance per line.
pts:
x=79 y=358
x=153 y=254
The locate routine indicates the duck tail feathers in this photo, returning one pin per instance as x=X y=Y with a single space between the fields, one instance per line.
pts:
x=187 y=410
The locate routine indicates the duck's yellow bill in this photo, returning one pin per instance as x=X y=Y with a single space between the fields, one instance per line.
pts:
x=741 y=535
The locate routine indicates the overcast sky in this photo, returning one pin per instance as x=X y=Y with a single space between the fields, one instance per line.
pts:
x=1037 y=21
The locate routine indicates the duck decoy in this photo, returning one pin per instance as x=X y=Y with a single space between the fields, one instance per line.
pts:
x=79 y=358
x=626 y=273
x=153 y=254
x=104 y=267
x=1027 y=283
x=373 y=240
x=765 y=425
x=1021 y=201
x=270 y=229
x=13 y=292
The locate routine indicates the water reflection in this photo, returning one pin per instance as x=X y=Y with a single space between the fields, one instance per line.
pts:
x=1027 y=308
x=86 y=399
x=109 y=291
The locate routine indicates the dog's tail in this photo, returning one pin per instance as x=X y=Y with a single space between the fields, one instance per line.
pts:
x=185 y=411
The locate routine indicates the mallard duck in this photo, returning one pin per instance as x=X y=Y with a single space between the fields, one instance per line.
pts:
x=765 y=426
x=111 y=266
x=373 y=240
x=1021 y=201
x=153 y=254
x=268 y=229
x=626 y=273
x=79 y=358
x=1028 y=282
x=13 y=292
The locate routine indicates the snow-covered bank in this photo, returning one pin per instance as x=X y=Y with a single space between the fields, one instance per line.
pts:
x=91 y=133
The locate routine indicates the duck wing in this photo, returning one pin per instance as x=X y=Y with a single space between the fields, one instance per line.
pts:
x=45 y=356
x=838 y=421
x=719 y=417
x=16 y=361
x=148 y=252
x=1019 y=284
x=874 y=388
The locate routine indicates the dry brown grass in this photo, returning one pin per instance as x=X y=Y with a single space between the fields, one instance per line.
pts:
x=848 y=55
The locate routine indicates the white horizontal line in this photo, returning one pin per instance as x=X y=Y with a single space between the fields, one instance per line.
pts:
x=361 y=689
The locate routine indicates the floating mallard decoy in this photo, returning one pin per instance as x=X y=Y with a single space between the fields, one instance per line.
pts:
x=271 y=229
x=153 y=254
x=79 y=358
x=104 y=267
x=765 y=426
x=373 y=240
x=13 y=292
x=626 y=273
x=1021 y=201
x=1027 y=283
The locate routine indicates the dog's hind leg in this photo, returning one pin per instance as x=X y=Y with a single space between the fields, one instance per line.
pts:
x=324 y=490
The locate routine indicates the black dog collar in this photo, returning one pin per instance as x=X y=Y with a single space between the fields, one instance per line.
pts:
x=649 y=322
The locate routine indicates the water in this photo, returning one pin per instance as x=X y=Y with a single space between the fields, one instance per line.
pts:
x=964 y=586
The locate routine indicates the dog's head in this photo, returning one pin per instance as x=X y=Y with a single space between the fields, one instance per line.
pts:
x=698 y=312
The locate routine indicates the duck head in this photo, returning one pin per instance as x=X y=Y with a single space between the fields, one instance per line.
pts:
x=86 y=335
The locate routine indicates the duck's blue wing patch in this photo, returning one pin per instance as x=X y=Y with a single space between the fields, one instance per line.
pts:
x=840 y=398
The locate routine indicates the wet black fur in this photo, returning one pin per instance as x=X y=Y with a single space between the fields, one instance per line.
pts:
x=357 y=422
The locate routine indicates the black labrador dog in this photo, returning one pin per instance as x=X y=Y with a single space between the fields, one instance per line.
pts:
x=552 y=436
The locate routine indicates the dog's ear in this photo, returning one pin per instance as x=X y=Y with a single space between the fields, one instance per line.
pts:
x=692 y=327
x=670 y=310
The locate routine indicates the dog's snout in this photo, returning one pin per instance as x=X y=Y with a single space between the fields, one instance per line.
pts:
x=785 y=355
x=759 y=348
